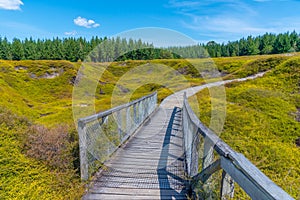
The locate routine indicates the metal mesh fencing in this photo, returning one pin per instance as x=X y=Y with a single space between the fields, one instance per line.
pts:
x=100 y=135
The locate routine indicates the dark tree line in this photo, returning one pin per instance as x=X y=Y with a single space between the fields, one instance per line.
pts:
x=266 y=44
x=74 y=49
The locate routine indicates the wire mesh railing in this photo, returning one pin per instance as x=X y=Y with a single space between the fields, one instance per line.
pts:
x=101 y=134
x=206 y=154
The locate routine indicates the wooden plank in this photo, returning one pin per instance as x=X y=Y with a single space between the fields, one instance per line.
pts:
x=83 y=151
x=156 y=182
x=142 y=172
x=153 y=140
x=146 y=156
x=208 y=153
x=121 y=166
x=149 y=165
x=146 y=148
x=137 y=191
x=118 y=196
x=144 y=175
x=131 y=197
x=133 y=161
x=153 y=195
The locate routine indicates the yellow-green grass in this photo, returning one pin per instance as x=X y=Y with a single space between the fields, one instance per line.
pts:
x=28 y=91
x=261 y=123
x=22 y=177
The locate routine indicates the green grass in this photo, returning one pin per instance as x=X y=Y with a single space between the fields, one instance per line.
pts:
x=22 y=177
x=30 y=95
x=261 y=123
x=30 y=99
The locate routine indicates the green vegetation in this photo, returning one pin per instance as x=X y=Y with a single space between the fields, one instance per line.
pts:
x=30 y=88
x=72 y=49
x=119 y=49
x=36 y=113
x=39 y=144
x=260 y=45
x=24 y=177
x=261 y=120
x=37 y=162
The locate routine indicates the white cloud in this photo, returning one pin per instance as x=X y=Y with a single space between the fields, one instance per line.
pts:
x=232 y=25
x=71 y=33
x=224 y=24
x=224 y=28
x=87 y=23
x=181 y=4
x=11 y=4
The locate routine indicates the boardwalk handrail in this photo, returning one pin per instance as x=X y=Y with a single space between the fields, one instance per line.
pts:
x=101 y=134
x=236 y=168
x=115 y=109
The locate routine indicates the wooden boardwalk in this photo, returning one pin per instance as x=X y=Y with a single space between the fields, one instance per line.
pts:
x=149 y=166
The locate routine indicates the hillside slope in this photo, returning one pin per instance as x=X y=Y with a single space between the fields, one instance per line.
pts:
x=262 y=122
x=36 y=112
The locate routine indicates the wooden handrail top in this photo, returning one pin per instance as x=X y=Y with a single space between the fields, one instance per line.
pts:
x=112 y=110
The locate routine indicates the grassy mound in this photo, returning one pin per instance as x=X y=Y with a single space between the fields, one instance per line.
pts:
x=25 y=177
x=261 y=121
x=36 y=112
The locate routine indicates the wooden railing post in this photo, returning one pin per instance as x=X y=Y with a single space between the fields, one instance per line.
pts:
x=227 y=186
x=104 y=120
x=128 y=121
x=208 y=153
x=208 y=156
x=194 y=152
x=135 y=117
x=187 y=144
x=83 y=151
x=119 y=124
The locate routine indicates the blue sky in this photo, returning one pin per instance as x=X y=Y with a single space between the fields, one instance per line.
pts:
x=202 y=20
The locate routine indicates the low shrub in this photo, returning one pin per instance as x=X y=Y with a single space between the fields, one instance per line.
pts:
x=55 y=146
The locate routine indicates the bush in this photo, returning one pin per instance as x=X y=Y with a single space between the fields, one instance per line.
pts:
x=55 y=146
x=23 y=177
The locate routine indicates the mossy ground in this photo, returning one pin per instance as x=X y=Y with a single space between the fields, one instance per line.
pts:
x=40 y=92
x=261 y=121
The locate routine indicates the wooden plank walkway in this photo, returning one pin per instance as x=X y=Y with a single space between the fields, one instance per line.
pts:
x=149 y=166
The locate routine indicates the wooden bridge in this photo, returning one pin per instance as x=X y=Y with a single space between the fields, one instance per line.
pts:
x=141 y=151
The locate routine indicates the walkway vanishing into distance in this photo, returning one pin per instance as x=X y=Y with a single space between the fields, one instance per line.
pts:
x=149 y=166
x=160 y=159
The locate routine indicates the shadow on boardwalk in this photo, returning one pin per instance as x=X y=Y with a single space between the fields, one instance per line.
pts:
x=172 y=130
x=149 y=166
